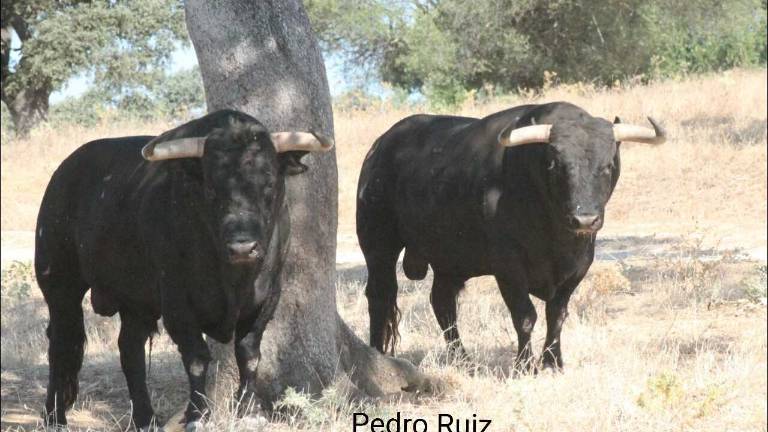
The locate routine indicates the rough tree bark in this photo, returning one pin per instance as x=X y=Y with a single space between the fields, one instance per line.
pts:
x=27 y=106
x=262 y=58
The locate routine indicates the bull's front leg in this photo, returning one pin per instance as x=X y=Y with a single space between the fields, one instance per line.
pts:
x=557 y=312
x=514 y=290
x=196 y=357
x=248 y=336
x=248 y=355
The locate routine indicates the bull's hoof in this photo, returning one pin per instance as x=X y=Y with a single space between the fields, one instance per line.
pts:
x=524 y=368
x=194 y=426
x=457 y=354
x=152 y=428
x=254 y=423
x=51 y=421
x=551 y=368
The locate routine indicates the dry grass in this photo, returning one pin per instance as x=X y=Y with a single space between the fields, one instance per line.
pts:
x=668 y=332
x=636 y=359
x=711 y=172
x=28 y=164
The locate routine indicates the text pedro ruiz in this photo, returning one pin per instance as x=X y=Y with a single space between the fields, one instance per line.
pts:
x=361 y=422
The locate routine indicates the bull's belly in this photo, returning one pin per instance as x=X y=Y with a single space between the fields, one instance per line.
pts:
x=543 y=275
x=454 y=257
x=116 y=287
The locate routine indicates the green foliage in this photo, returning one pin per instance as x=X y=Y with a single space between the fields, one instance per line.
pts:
x=356 y=99
x=86 y=109
x=711 y=36
x=756 y=285
x=5 y=121
x=17 y=281
x=445 y=48
x=181 y=93
x=124 y=45
x=363 y=32
x=662 y=391
x=176 y=96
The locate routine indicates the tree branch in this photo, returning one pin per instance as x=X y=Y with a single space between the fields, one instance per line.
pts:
x=20 y=27
x=5 y=53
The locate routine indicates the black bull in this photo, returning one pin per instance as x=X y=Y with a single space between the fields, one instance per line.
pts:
x=519 y=195
x=193 y=234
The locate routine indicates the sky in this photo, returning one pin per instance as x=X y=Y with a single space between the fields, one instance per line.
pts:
x=185 y=58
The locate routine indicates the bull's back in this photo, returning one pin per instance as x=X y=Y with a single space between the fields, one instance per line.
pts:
x=400 y=151
x=419 y=181
x=85 y=191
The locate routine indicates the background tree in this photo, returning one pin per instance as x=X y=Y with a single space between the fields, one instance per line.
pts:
x=122 y=44
x=444 y=48
x=262 y=58
x=178 y=96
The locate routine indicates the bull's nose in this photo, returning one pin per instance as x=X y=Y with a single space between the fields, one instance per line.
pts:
x=586 y=222
x=244 y=251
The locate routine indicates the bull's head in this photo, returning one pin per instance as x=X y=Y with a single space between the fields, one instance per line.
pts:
x=580 y=163
x=239 y=177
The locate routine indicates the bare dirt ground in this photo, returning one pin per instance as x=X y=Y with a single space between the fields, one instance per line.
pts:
x=668 y=332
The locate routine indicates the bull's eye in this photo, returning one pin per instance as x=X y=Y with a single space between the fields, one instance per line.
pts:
x=552 y=165
x=249 y=163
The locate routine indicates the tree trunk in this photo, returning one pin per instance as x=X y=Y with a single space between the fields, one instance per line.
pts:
x=261 y=57
x=27 y=108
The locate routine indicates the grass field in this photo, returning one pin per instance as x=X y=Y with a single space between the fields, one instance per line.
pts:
x=668 y=332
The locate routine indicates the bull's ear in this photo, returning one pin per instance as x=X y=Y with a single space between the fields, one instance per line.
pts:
x=617 y=120
x=290 y=162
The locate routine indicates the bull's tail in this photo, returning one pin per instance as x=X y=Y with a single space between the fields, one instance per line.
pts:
x=381 y=292
x=391 y=335
x=66 y=335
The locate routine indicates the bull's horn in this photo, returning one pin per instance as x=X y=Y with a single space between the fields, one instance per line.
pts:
x=301 y=141
x=174 y=149
x=641 y=134
x=525 y=135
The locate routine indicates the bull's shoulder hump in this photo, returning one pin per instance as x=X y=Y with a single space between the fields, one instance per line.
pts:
x=101 y=157
x=428 y=121
x=126 y=145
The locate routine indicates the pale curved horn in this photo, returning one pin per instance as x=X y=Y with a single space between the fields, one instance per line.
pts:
x=640 y=134
x=301 y=141
x=525 y=135
x=174 y=149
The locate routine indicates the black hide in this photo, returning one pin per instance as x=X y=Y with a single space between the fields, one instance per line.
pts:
x=443 y=188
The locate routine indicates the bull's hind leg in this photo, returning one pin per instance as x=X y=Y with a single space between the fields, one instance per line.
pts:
x=445 y=290
x=134 y=333
x=63 y=292
x=381 y=245
x=381 y=291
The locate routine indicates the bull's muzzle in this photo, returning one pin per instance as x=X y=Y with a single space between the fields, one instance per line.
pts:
x=585 y=223
x=245 y=252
